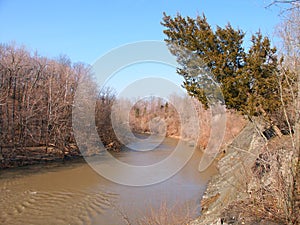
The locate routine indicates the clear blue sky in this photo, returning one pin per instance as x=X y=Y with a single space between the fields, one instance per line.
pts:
x=85 y=30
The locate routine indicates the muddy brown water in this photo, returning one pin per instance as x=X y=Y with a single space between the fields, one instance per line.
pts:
x=73 y=193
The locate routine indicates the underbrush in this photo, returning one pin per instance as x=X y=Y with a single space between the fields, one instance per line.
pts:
x=272 y=188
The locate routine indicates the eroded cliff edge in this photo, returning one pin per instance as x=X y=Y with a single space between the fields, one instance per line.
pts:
x=230 y=183
x=258 y=182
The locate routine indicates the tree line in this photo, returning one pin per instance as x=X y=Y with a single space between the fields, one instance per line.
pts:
x=36 y=100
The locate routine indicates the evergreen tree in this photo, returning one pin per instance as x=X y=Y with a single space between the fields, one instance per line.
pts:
x=262 y=70
x=248 y=80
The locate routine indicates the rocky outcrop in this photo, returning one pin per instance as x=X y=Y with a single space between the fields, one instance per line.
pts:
x=233 y=178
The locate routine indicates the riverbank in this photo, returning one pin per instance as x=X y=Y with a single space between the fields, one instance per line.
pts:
x=226 y=185
x=18 y=157
x=12 y=158
x=252 y=184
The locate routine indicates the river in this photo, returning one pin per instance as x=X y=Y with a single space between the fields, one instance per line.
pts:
x=73 y=193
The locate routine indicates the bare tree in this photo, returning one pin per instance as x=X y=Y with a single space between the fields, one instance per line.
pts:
x=289 y=32
x=36 y=97
x=286 y=4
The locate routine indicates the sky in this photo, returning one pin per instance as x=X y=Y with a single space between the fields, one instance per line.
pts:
x=86 y=30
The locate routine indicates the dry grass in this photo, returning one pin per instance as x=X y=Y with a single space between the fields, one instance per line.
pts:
x=169 y=215
x=268 y=200
x=165 y=214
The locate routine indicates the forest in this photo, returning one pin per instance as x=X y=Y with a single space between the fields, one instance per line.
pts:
x=36 y=100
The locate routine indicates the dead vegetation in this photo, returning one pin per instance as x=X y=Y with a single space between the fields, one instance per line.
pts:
x=268 y=199
x=36 y=102
x=145 y=110
x=168 y=215
x=258 y=183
